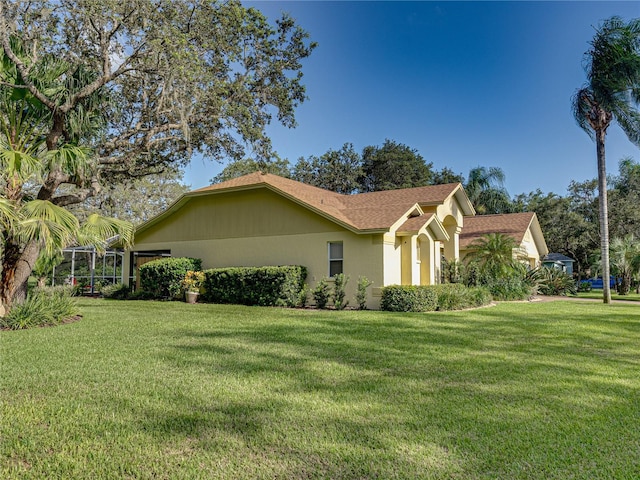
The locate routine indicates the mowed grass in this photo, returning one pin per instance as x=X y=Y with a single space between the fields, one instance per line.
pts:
x=597 y=294
x=174 y=391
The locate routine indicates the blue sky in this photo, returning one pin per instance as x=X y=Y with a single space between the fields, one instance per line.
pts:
x=464 y=83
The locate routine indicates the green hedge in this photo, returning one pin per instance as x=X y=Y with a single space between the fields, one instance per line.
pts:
x=408 y=298
x=427 y=298
x=265 y=286
x=163 y=278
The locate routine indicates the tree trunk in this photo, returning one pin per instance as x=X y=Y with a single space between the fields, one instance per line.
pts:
x=603 y=214
x=17 y=265
x=624 y=284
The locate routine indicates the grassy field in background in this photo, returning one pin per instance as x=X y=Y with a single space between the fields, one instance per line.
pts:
x=174 y=391
x=597 y=294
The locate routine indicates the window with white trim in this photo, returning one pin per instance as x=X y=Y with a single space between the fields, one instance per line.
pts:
x=335 y=258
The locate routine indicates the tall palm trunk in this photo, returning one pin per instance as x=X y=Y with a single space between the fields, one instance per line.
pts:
x=603 y=214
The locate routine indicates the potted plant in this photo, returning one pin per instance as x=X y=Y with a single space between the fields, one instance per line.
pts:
x=191 y=284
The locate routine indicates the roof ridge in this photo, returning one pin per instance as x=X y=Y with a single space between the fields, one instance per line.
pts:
x=362 y=211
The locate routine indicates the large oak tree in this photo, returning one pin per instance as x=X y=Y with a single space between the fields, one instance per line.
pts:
x=130 y=88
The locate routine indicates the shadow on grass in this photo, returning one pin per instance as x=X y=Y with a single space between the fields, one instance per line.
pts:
x=357 y=390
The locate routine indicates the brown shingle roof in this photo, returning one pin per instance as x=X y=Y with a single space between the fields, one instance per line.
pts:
x=513 y=224
x=364 y=211
x=429 y=195
x=414 y=224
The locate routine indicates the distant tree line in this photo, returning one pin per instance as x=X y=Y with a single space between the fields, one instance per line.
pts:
x=571 y=225
x=570 y=222
x=389 y=166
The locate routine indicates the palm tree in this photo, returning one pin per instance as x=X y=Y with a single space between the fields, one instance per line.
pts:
x=496 y=254
x=625 y=260
x=485 y=188
x=612 y=92
x=32 y=153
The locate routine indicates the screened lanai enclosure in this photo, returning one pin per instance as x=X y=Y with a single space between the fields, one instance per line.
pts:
x=89 y=269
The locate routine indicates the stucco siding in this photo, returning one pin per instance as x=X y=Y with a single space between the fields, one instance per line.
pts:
x=531 y=249
x=392 y=260
x=259 y=228
x=249 y=213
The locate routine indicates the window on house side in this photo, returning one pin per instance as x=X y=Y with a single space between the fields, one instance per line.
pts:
x=335 y=258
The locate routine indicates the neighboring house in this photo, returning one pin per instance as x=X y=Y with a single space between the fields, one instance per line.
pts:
x=559 y=261
x=391 y=237
x=522 y=227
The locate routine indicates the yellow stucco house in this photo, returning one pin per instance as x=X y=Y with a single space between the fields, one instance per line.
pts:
x=391 y=237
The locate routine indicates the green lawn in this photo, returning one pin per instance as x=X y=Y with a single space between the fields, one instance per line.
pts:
x=614 y=296
x=174 y=391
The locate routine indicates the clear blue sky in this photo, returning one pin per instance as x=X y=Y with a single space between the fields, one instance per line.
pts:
x=464 y=83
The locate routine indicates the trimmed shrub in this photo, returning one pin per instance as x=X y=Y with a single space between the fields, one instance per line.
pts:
x=265 y=286
x=163 y=278
x=321 y=293
x=408 y=298
x=46 y=306
x=339 y=293
x=455 y=296
x=361 y=293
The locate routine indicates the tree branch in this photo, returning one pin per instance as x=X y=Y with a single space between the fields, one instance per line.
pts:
x=66 y=200
x=20 y=66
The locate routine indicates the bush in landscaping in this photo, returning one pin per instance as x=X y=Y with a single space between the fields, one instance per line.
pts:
x=339 y=291
x=584 y=286
x=140 y=295
x=163 y=278
x=453 y=271
x=408 y=298
x=456 y=296
x=116 y=291
x=43 y=307
x=321 y=293
x=303 y=295
x=509 y=288
x=265 y=286
x=552 y=281
x=479 y=296
x=361 y=293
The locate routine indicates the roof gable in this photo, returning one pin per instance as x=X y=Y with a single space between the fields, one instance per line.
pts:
x=364 y=212
x=422 y=223
x=557 y=257
x=514 y=225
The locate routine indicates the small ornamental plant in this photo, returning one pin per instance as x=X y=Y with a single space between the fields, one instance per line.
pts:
x=193 y=281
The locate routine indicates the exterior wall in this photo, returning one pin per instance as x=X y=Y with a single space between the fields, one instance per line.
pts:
x=259 y=228
x=529 y=246
x=410 y=268
x=452 y=217
x=392 y=260
x=241 y=214
x=427 y=258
